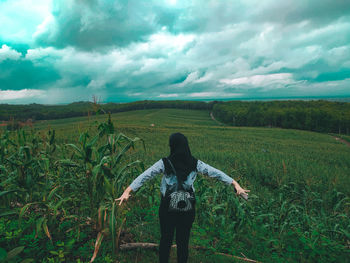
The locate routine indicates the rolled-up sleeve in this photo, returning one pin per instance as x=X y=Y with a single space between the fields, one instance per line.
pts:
x=213 y=172
x=150 y=173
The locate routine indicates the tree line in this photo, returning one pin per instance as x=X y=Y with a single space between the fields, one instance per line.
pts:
x=47 y=112
x=320 y=115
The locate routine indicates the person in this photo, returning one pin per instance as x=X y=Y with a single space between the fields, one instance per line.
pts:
x=186 y=168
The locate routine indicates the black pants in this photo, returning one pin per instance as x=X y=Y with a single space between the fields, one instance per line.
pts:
x=169 y=221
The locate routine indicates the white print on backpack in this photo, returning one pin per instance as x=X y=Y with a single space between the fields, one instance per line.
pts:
x=180 y=201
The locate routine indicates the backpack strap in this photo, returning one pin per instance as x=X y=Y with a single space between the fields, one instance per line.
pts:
x=171 y=165
x=179 y=181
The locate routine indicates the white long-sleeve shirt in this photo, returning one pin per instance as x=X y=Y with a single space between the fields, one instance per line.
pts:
x=170 y=179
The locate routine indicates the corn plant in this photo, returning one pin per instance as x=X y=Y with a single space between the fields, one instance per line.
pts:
x=298 y=207
x=47 y=211
x=102 y=160
x=44 y=181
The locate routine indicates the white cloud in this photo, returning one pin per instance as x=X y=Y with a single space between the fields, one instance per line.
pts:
x=226 y=48
x=170 y=95
x=172 y=43
x=8 y=95
x=260 y=80
x=213 y=94
x=339 y=55
x=205 y=78
x=41 y=28
x=327 y=88
x=193 y=78
x=19 y=18
x=189 y=79
x=96 y=84
x=322 y=35
x=149 y=65
x=7 y=52
x=172 y=2
x=135 y=94
x=47 y=57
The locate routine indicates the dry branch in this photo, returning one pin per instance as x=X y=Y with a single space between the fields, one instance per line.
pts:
x=130 y=246
x=240 y=258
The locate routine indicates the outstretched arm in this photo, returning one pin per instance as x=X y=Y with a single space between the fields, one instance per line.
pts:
x=125 y=196
x=216 y=173
x=150 y=173
x=240 y=190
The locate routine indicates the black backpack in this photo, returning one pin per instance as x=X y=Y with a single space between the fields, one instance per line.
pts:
x=179 y=199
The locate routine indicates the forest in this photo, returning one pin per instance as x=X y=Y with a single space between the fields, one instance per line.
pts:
x=315 y=115
x=76 y=109
x=320 y=116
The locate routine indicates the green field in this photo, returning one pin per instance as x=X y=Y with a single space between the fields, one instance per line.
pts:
x=298 y=209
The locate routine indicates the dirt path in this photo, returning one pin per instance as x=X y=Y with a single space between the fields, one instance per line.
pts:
x=213 y=118
x=342 y=140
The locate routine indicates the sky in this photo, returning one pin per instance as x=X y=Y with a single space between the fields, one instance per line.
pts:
x=61 y=51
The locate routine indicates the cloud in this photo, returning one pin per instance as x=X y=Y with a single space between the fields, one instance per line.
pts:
x=214 y=95
x=19 y=73
x=95 y=24
x=47 y=96
x=172 y=95
x=193 y=76
x=8 y=53
x=261 y=80
x=318 y=13
x=8 y=95
x=129 y=50
x=19 y=19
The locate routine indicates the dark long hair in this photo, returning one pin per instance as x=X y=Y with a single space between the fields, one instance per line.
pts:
x=180 y=156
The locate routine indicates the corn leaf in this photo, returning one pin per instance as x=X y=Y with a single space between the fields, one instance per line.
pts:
x=14 y=252
x=97 y=246
x=46 y=229
x=112 y=226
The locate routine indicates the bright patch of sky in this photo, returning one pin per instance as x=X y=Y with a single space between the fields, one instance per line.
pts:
x=20 y=19
x=59 y=51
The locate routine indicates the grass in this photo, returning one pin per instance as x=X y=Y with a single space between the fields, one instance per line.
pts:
x=307 y=156
x=298 y=209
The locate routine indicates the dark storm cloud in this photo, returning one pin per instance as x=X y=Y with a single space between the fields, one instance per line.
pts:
x=93 y=24
x=17 y=73
x=135 y=49
x=294 y=11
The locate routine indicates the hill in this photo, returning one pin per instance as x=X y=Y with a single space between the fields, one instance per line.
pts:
x=320 y=115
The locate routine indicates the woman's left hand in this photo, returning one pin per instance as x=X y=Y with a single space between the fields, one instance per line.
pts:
x=125 y=196
x=239 y=189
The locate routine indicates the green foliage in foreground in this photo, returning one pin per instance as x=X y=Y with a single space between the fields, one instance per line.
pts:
x=57 y=190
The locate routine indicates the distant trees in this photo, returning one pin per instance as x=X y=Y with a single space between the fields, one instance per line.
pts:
x=321 y=116
x=76 y=109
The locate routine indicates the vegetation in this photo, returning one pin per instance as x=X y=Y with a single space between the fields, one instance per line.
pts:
x=14 y=113
x=321 y=116
x=59 y=178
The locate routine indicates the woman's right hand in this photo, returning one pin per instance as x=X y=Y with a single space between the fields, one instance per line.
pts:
x=125 y=196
